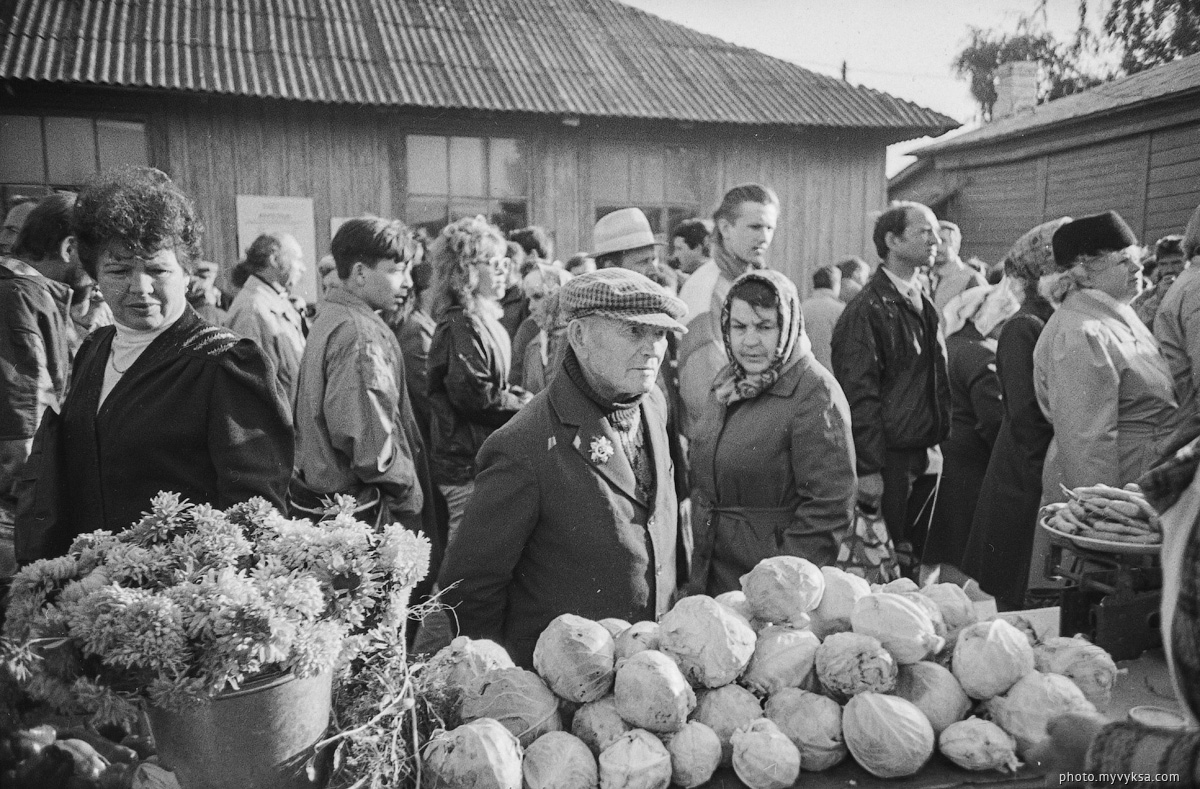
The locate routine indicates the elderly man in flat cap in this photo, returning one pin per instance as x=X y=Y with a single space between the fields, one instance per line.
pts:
x=574 y=509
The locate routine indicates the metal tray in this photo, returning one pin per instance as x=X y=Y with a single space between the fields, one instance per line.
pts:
x=1104 y=546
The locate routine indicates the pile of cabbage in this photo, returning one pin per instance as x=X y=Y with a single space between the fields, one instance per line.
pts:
x=802 y=669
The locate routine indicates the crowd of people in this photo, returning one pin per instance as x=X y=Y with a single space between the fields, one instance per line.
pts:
x=598 y=436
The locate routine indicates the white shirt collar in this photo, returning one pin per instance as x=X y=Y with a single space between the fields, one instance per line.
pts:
x=908 y=289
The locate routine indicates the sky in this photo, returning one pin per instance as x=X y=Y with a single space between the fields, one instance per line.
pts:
x=901 y=47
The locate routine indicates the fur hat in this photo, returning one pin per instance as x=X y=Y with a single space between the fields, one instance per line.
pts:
x=1091 y=235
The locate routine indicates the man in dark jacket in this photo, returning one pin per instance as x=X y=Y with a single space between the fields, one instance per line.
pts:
x=574 y=509
x=890 y=358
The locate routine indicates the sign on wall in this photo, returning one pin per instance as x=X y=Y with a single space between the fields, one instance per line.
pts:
x=258 y=214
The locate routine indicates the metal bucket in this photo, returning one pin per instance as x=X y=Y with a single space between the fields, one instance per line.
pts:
x=257 y=737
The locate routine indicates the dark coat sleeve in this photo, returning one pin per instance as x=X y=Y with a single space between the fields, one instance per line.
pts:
x=986 y=401
x=857 y=366
x=479 y=566
x=475 y=390
x=249 y=429
x=1014 y=361
x=22 y=360
x=414 y=345
x=823 y=463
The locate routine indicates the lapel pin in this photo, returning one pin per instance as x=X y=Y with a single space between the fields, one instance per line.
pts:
x=601 y=449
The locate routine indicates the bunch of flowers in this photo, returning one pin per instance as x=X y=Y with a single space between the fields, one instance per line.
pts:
x=191 y=601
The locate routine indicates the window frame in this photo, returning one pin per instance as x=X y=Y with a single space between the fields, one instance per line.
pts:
x=94 y=120
x=494 y=203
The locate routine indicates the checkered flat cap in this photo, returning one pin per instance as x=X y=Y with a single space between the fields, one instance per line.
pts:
x=622 y=294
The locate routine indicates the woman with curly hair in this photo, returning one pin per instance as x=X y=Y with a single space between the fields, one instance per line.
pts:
x=161 y=401
x=470 y=357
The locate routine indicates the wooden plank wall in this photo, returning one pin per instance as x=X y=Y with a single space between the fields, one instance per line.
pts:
x=1099 y=178
x=997 y=204
x=1173 y=189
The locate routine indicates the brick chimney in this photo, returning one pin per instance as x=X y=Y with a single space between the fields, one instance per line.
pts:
x=1016 y=89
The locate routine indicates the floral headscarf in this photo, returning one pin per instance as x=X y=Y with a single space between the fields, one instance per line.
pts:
x=734 y=383
x=1031 y=257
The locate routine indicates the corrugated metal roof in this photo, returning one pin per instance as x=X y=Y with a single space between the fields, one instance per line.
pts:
x=1179 y=77
x=592 y=58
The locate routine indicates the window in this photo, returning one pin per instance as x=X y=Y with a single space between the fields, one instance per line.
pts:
x=664 y=181
x=39 y=154
x=453 y=177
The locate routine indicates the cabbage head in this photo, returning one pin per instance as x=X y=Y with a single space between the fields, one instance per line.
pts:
x=639 y=637
x=898 y=586
x=481 y=754
x=842 y=591
x=736 y=601
x=783 y=658
x=576 y=658
x=1084 y=663
x=989 y=658
x=814 y=725
x=637 y=760
x=599 y=724
x=614 y=626
x=935 y=692
x=725 y=710
x=518 y=699
x=903 y=627
x=558 y=760
x=957 y=609
x=1036 y=699
x=652 y=694
x=976 y=744
x=711 y=644
x=850 y=663
x=695 y=754
x=460 y=664
x=887 y=735
x=783 y=589
x=763 y=757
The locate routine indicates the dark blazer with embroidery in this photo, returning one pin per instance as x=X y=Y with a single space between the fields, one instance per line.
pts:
x=556 y=525
x=198 y=413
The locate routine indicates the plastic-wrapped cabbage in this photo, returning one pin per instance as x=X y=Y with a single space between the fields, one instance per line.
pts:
x=935 y=692
x=989 y=658
x=814 y=725
x=902 y=626
x=976 y=744
x=558 y=760
x=518 y=699
x=637 y=760
x=1084 y=663
x=711 y=644
x=480 y=754
x=850 y=663
x=1032 y=703
x=599 y=724
x=576 y=658
x=783 y=589
x=842 y=591
x=887 y=735
x=614 y=626
x=783 y=658
x=736 y=601
x=725 y=710
x=898 y=586
x=652 y=694
x=639 y=637
x=763 y=757
x=460 y=664
x=695 y=754
x=931 y=609
x=957 y=609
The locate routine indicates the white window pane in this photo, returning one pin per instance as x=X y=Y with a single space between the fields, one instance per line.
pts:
x=466 y=167
x=70 y=150
x=427 y=173
x=509 y=169
x=121 y=142
x=21 y=158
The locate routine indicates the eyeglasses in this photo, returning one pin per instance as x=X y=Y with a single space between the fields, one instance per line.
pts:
x=495 y=264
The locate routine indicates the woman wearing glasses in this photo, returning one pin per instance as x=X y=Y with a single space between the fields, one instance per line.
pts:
x=1098 y=374
x=471 y=354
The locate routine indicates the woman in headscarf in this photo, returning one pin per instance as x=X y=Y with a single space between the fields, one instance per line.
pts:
x=773 y=458
x=972 y=320
x=998 y=548
x=161 y=401
x=1098 y=373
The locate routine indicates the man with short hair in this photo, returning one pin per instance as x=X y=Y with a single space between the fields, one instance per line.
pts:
x=574 y=509
x=35 y=343
x=890 y=358
x=690 y=245
x=821 y=311
x=13 y=221
x=950 y=276
x=262 y=309
x=855 y=273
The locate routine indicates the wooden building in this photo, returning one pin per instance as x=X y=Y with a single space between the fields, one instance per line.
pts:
x=529 y=111
x=1132 y=145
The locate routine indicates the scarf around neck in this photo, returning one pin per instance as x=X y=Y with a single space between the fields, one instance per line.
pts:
x=732 y=267
x=621 y=414
x=734 y=383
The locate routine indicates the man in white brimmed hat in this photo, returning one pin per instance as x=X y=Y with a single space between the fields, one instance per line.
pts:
x=623 y=239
